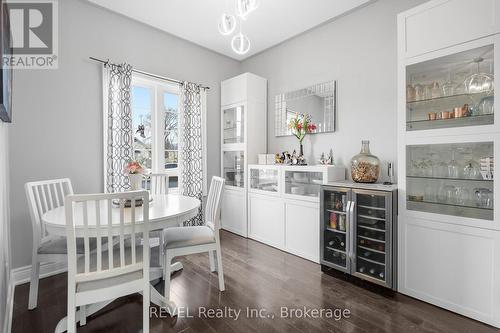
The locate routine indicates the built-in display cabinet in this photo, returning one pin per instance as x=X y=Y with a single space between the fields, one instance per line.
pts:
x=284 y=206
x=448 y=139
x=243 y=115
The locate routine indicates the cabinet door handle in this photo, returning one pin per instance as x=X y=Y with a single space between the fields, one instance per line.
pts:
x=351 y=229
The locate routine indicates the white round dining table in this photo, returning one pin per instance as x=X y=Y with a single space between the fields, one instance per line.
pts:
x=167 y=210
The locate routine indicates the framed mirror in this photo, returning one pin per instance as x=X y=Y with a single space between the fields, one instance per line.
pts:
x=319 y=101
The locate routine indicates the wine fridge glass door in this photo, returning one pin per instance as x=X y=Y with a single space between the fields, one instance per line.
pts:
x=335 y=246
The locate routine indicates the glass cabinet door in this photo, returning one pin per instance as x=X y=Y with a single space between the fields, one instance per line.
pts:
x=452 y=91
x=233 y=125
x=234 y=168
x=452 y=179
x=264 y=180
x=334 y=232
x=372 y=216
x=304 y=183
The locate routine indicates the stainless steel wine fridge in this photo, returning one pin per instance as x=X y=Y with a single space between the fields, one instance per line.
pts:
x=359 y=232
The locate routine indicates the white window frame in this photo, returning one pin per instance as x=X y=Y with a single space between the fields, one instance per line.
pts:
x=158 y=88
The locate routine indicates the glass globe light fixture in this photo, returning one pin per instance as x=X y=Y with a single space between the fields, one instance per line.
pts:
x=227 y=24
x=245 y=7
x=240 y=44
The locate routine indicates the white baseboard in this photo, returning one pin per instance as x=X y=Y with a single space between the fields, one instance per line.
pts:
x=22 y=275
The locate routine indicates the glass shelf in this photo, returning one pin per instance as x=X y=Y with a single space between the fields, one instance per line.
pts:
x=478 y=120
x=479 y=95
x=264 y=179
x=451 y=209
x=303 y=183
x=451 y=179
x=456 y=90
x=234 y=125
x=234 y=168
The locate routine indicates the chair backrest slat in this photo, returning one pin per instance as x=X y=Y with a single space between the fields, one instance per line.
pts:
x=88 y=212
x=42 y=196
x=158 y=183
x=122 y=243
x=132 y=221
x=212 y=210
x=86 y=236
x=110 y=233
x=98 y=232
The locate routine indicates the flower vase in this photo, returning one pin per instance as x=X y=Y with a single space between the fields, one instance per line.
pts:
x=301 y=149
x=135 y=181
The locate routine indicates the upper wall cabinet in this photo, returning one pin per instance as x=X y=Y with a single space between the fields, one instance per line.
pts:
x=244 y=87
x=440 y=24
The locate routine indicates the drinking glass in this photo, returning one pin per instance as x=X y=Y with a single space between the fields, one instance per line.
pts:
x=453 y=168
x=463 y=196
x=451 y=194
x=430 y=193
x=483 y=197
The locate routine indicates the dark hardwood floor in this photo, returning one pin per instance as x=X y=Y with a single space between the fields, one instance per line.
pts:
x=259 y=277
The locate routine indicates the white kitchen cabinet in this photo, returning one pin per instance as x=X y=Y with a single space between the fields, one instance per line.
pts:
x=443 y=23
x=243 y=110
x=448 y=138
x=302 y=229
x=234 y=220
x=455 y=267
x=266 y=219
x=283 y=206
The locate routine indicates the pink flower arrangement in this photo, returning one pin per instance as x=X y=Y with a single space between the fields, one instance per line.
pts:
x=301 y=125
x=134 y=167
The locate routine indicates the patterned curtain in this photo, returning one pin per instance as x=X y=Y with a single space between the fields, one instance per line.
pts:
x=191 y=148
x=117 y=126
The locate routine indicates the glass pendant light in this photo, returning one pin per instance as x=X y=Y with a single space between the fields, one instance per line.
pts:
x=245 y=7
x=227 y=24
x=240 y=44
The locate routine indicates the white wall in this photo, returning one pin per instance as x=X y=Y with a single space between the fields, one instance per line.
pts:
x=359 y=50
x=57 y=129
x=4 y=224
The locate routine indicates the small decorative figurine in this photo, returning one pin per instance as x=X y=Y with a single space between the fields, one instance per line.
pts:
x=330 y=158
x=294 y=158
x=278 y=159
x=326 y=160
x=322 y=159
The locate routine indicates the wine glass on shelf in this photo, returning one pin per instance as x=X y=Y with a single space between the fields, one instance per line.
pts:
x=453 y=167
x=471 y=168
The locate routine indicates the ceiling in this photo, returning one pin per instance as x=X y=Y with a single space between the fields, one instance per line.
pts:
x=196 y=20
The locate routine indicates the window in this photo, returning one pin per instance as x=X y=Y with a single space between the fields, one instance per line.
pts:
x=155 y=123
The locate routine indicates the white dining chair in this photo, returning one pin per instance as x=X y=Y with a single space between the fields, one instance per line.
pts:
x=158 y=183
x=180 y=241
x=43 y=196
x=120 y=264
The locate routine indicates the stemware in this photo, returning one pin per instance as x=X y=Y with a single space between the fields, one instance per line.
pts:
x=478 y=82
x=453 y=167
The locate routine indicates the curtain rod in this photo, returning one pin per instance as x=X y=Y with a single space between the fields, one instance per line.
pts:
x=147 y=74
